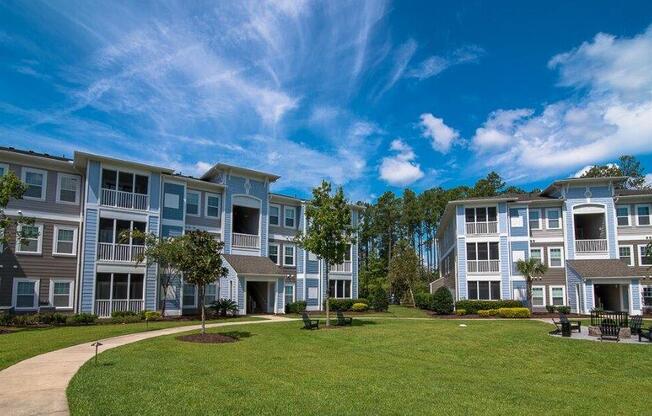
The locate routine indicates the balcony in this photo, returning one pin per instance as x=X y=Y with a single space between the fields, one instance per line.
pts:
x=483 y=266
x=103 y=308
x=344 y=267
x=591 y=246
x=121 y=199
x=119 y=252
x=490 y=227
x=251 y=241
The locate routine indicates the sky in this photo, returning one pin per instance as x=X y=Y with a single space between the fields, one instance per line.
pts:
x=371 y=95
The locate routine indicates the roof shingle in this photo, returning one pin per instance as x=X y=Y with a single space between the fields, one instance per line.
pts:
x=254 y=265
x=602 y=268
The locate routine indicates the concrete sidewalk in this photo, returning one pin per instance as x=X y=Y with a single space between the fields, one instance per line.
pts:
x=37 y=386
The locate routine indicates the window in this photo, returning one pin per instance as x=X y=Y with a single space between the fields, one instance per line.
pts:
x=339 y=289
x=65 y=241
x=189 y=296
x=61 y=294
x=535 y=219
x=625 y=254
x=68 y=189
x=32 y=238
x=483 y=290
x=555 y=257
x=553 y=221
x=644 y=258
x=557 y=295
x=483 y=214
x=231 y=289
x=515 y=218
x=290 y=217
x=312 y=257
x=537 y=253
x=288 y=255
x=273 y=253
x=647 y=295
x=210 y=294
x=643 y=215
x=622 y=212
x=212 y=205
x=274 y=214
x=192 y=203
x=171 y=201
x=36 y=181
x=26 y=293
x=289 y=294
x=538 y=296
x=482 y=257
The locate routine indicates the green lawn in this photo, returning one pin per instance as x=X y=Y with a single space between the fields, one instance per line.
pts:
x=395 y=311
x=383 y=367
x=28 y=342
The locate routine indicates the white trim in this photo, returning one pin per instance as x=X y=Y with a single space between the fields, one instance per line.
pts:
x=71 y=292
x=55 y=240
x=548 y=227
x=563 y=288
x=278 y=252
x=629 y=216
x=529 y=218
x=294 y=255
x=561 y=251
x=43 y=215
x=640 y=254
x=39 y=244
x=547 y=240
x=60 y=176
x=44 y=184
x=15 y=293
x=649 y=211
x=289 y=208
x=219 y=204
x=198 y=193
x=280 y=211
x=634 y=237
x=631 y=253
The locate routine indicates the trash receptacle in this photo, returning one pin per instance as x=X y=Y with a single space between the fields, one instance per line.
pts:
x=565 y=329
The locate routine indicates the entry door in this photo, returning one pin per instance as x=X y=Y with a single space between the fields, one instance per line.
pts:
x=624 y=296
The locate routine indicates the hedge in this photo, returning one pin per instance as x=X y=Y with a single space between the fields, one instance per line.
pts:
x=296 y=307
x=359 y=307
x=485 y=313
x=514 y=312
x=473 y=306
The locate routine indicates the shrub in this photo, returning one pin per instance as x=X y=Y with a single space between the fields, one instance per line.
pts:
x=121 y=314
x=473 y=306
x=25 y=320
x=460 y=312
x=423 y=300
x=379 y=301
x=340 y=304
x=486 y=313
x=81 y=319
x=514 y=312
x=223 y=306
x=295 y=307
x=362 y=300
x=359 y=307
x=55 y=318
x=563 y=309
x=442 y=301
x=153 y=315
x=550 y=308
x=6 y=319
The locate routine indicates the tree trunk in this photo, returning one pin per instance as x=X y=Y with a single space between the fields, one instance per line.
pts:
x=203 y=312
x=529 y=293
x=327 y=291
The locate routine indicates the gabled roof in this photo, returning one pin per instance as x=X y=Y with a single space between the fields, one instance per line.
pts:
x=254 y=265
x=577 y=181
x=595 y=268
x=236 y=169
x=35 y=154
x=633 y=192
x=82 y=158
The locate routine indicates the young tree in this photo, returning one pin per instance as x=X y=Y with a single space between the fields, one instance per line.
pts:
x=12 y=188
x=329 y=230
x=531 y=269
x=404 y=269
x=201 y=264
x=632 y=168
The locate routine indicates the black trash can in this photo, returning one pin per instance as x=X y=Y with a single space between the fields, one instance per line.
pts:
x=565 y=329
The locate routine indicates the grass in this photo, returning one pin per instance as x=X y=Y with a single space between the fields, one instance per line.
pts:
x=28 y=342
x=381 y=367
x=395 y=311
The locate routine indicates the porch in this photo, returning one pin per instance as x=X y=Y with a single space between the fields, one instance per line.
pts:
x=590 y=230
x=118 y=292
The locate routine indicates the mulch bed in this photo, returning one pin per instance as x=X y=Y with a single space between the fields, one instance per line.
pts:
x=5 y=331
x=209 y=338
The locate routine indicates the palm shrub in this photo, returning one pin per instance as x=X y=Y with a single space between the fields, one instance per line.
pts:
x=531 y=269
x=223 y=306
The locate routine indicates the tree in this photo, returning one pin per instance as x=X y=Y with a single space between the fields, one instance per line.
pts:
x=329 y=230
x=632 y=168
x=200 y=261
x=372 y=276
x=166 y=253
x=492 y=185
x=12 y=188
x=404 y=269
x=531 y=269
x=603 y=171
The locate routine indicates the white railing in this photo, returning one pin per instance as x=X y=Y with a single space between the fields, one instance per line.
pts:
x=483 y=266
x=121 y=199
x=118 y=252
x=245 y=240
x=591 y=246
x=341 y=268
x=103 y=308
x=490 y=227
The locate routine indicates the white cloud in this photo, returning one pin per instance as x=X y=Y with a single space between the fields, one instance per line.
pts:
x=400 y=169
x=434 y=65
x=442 y=136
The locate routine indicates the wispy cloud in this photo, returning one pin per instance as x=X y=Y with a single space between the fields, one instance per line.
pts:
x=434 y=65
x=442 y=137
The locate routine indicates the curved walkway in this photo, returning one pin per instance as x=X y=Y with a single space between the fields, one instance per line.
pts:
x=37 y=385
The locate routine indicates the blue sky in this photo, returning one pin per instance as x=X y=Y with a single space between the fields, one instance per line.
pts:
x=372 y=95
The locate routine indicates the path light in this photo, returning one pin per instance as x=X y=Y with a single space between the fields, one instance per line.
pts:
x=97 y=346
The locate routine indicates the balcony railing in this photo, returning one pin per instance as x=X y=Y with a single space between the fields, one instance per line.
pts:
x=490 y=227
x=121 y=199
x=341 y=268
x=103 y=308
x=591 y=246
x=245 y=240
x=483 y=266
x=119 y=252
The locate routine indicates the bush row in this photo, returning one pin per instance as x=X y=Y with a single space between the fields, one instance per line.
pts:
x=505 y=312
x=561 y=309
x=441 y=301
x=473 y=306
x=344 y=304
x=54 y=318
